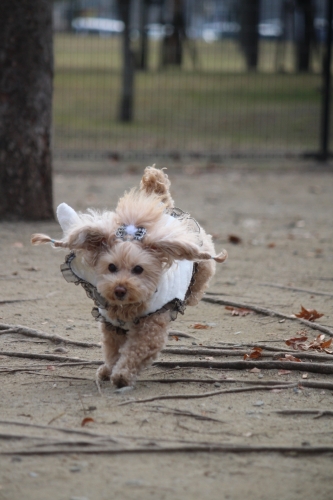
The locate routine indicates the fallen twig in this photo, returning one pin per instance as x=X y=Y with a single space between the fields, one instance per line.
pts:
x=191 y=448
x=316 y=384
x=206 y=351
x=306 y=355
x=45 y=366
x=184 y=413
x=270 y=312
x=157 y=448
x=6 y=436
x=294 y=289
x=249 y=364
x=55 y=375
x=313 y=384
x=317 y=412
x=3 y=369
x=209 y=394
x=49 y=427
x=226 y=345
x=177 y=333
x=30 y=332
x=50 y=357
x=229 y=352
x=213 y=381
x=13 y=301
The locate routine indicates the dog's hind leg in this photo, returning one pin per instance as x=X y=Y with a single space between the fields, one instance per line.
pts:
x=205 y=271
x=156 y=181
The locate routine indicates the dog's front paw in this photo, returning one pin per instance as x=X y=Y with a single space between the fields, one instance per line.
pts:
x=103 y=373
x=122 y=379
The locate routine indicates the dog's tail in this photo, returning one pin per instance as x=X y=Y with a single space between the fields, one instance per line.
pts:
x=156 y=181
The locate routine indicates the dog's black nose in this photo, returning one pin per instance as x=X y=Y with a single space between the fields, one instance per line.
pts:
x=120 y=292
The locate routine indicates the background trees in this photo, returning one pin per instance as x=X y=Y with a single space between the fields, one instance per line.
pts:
x=249 y=37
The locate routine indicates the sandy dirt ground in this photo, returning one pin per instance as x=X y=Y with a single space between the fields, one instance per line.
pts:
x=277 y=228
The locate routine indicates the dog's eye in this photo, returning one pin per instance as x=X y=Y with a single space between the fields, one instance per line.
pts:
x=112 y=268
x=137 y=270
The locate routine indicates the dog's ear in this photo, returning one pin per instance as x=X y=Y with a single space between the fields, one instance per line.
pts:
x=89 y=238
x=178 y=250
x=67 y=217
x=39 y=239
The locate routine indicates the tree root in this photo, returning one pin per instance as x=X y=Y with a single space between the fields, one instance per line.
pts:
x=248 y=365
x=30 y=332
x=269 y=312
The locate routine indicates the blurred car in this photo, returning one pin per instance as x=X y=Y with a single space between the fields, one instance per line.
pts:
x=99 y=25
x=272 y=28
x=320 y=28
x=215 y=31
x=158 y=31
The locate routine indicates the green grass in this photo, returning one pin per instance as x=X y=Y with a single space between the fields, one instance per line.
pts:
x=214 y=106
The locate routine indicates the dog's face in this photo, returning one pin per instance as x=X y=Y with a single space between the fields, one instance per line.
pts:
x=127 y=274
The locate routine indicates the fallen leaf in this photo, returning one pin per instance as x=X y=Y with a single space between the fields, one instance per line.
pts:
x=309 y=315
x=255 y=370
x=289 y=357
x=298 y=343
x=209 y=358
x=271 y=245
x=319 y=343
x=305 y=375
x=234 y=239
x=50 y=367
x=86 y=420
x=200 y=326
x=254 y=354
x=284 y=372
x=174 y=337
x=238 y=311
x=326 y=344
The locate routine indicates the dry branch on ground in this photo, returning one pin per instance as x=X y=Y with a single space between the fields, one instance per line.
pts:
x=269 y=312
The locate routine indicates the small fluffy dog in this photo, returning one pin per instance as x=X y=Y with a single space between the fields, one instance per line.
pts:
x=141 y=265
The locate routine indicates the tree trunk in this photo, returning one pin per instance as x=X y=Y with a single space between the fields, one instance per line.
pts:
x=172 y=48
x=26 y=77
x=249 y=37
x=143 y=55
x=127 y=88
x=304 y=34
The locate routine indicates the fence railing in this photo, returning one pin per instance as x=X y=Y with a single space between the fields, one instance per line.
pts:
x=209 y=105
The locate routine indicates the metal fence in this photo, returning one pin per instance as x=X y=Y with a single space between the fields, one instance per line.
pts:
x=200 y=94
